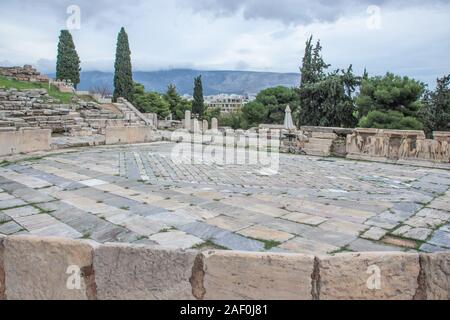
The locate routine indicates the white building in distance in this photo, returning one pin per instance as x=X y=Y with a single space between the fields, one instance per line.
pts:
x=226 y=102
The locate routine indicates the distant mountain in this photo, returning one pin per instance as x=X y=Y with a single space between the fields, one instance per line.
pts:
x=214 y=82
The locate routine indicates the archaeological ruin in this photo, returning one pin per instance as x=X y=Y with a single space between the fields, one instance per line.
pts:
x=267 y=213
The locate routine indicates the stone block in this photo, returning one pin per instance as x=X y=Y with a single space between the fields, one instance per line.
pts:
x=436 y=276
x=127 y=272
x=257 y=276
x=2 y=270
x=25 y=141
x=48 y=269
x=129 y=135
x=369 y=276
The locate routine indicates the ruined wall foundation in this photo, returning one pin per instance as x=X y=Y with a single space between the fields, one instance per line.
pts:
x=48 y=268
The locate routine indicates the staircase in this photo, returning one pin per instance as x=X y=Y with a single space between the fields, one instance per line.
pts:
x=131 y=114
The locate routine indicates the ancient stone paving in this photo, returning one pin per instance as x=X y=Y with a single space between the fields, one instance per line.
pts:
x=137 y=194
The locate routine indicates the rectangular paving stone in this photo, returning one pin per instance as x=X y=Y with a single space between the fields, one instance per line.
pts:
x=120 y=202
x=9 y=228
x=176 y=239
x=5 y=196
x=440 y=205
x=172 y=219
x=36 y=222
x=420 y=234
x=33 y=196
x=228 y=223
x=5 y=204
x=305 y=218
x=434 y=214
x=264 y=233
x=307 y=246
x=146 y=210
x=60 y=230
x=143 y=226
x=407 y=244
x=4 y=218
x=441 y=239
x=204 y=231
x=343 y=227
x=234 y=241
x=257 y=276
x=21 y=212
x=362 y=245
x=287 y=226
x=170 y=204
x=385 y=223
x=93 y=182
x=374 y=233
x=130 y=272
x=113 y=233
x=424 y=222
x=117 y=216
x=426 y=247
x=334 y=238
x=197 y=213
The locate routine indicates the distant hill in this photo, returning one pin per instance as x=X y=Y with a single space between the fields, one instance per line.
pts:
x=214 y=82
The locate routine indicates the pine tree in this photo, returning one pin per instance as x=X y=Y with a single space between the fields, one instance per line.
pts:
x=173 y=98
x=306 y=68
x=198 y=105
x=435 y=113
x=325 y=99
x=68 y=61
x=123 y=76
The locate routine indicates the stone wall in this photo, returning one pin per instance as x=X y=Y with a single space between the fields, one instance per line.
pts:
x=25 y=73
x=398 y=145
x=52 y=268
x=24 y=141
x=130 y=135
x=36 y=109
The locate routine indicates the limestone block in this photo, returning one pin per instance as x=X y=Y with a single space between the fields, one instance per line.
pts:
x=127 y=272
x=214 y=124
x=187 y=120
x=48 y=269
x=324 y=135
x=129 y=135
x=368 y=276
x=436 y=273
x=2 y=270
x=25 y=141
x=259 y=276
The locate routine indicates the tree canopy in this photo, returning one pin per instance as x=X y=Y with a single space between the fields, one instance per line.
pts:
x=150 y=102
x=390 y=102
x=68 y=61
x=178 y=106
x=325 y=99
x=435 y=113
x=123 y=75
x=198 y=105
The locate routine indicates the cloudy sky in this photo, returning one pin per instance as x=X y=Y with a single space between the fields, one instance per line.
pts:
x=406 y=37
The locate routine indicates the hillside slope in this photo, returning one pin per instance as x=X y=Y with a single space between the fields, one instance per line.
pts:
x=214 y=82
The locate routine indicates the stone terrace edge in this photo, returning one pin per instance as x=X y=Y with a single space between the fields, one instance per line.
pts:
x=35 y=268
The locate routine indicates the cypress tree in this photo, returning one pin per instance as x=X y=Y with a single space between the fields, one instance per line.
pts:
x=123 y=77
x=68 y=61
x=198 y=105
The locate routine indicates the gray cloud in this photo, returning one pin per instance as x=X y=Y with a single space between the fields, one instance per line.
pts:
x=298 y=11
